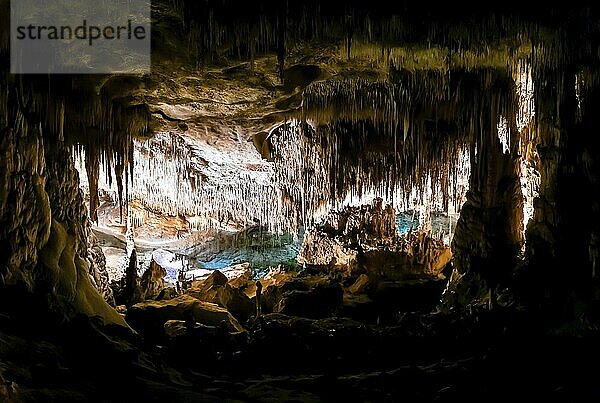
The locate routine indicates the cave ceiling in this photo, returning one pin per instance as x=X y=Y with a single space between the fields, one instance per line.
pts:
x=401 y=88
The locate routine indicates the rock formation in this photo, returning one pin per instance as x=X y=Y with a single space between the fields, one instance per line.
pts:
x=152 y=281
x=45 y=227
x=98 y=272
x=130 y=284
x=365 y=240
x=217 y=290
x=150 y=316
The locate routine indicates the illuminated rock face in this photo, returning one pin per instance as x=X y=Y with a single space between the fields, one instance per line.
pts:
x=46 y=230
x=153 y=281
x=215 y=289
x=319 y=249
x=365 y=240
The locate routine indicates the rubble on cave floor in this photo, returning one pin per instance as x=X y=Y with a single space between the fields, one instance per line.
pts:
x=206 y=356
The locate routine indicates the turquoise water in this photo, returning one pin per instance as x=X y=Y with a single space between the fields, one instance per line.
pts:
x=267 y=250
x=261 y=251
x=441 y=224
x=406 y=221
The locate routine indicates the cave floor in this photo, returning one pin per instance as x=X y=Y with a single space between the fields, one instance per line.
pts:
x=489 y=356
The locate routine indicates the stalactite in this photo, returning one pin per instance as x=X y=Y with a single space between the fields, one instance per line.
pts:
x=318 y=169
x=169 y=177
x=252 y=31
x=92 y=167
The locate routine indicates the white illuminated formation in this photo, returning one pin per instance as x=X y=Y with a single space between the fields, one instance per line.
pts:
x=230 y=186
x=306 y=171
x=212 y=188
x=530 y=177
x=218 y=188
x=504 y=134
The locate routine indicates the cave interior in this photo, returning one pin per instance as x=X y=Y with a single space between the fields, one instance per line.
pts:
x=309 y=201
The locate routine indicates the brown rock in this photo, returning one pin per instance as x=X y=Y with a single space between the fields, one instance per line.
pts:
x=166 y=293
x=132 y=290
x=368 y=224
x=237 y=302
x=415 y=256
x=216 y=279
x=274 y=293
x=149 y=317
x=153 y=281
x=97 y=269
x=318 y=249
x=239 y=275
x=215 y=289
x=277 y=277
x=360 y=285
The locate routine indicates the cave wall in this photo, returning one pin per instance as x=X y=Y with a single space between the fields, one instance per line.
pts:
x=24 y=206
x=44 y=229
x=562 y=237
x=489 y=231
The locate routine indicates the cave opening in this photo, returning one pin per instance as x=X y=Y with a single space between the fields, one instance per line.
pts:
x=308 y=202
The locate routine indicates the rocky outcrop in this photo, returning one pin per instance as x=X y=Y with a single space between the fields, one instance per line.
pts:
x=45 y=231
x=278 y=276
x=98 y=272
x=489 y=232
x=152 y=281
x=131 y=290
x=239 y=275
x=298 y=294
x=365 y=240
x=416 y=255
x=208 y=289
x=319 y=249
x=386 y=274
x=217 y=290
x=371 y=224
x=360 y=285
x=150 y=317
x=335 y=245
